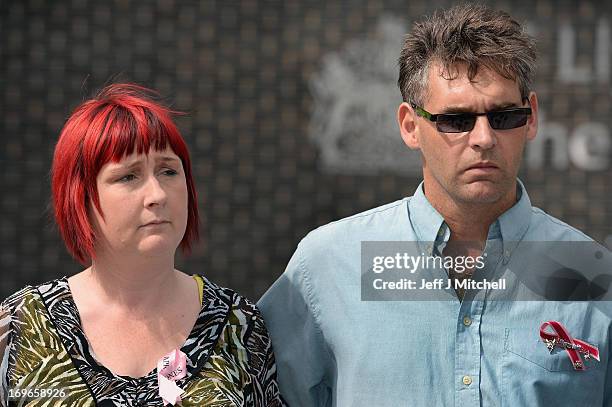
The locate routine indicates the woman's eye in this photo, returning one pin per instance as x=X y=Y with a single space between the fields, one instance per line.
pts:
x=127 y=178
x=169 y=172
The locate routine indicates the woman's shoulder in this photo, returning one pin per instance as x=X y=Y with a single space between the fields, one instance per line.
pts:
x=30 y=296
x=246 y=311
x=23 y=310
x=18 y=299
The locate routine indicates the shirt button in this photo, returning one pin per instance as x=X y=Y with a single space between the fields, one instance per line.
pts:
x=467 y=380
x=467 y=321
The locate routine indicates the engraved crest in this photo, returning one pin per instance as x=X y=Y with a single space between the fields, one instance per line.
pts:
x=355 y=101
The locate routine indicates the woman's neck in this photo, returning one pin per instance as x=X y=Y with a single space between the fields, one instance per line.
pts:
x=136 y=286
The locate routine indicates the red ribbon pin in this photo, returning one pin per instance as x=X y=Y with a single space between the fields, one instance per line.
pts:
x=574 y=347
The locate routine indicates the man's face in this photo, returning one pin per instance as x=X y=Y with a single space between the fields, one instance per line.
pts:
x=475 y=167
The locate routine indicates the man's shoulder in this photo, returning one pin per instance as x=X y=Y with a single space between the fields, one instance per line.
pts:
x=544 y=226
x=363 y=225
x=386 y=211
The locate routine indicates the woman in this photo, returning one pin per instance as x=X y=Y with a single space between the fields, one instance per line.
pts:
x=130 y=329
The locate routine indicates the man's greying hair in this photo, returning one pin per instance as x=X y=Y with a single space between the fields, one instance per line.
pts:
x=468 y=34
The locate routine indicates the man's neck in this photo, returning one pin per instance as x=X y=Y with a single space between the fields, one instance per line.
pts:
x=467 y=221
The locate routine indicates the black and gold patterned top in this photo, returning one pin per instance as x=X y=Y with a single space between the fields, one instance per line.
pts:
x=229 y=355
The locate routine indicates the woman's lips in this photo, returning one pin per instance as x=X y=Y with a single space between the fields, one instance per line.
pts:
x=155 y=223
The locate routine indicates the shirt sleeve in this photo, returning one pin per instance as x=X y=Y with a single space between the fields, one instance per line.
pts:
x=5 y=324
x=303 y=359
x=608 y=383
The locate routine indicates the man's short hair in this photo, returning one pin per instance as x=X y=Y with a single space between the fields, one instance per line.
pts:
x=471 y=35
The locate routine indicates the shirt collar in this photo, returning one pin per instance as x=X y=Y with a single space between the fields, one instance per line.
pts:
x=515 y=221
x=429 y=225
x=424 y=218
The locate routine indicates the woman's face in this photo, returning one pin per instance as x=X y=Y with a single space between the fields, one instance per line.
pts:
x=144 y=201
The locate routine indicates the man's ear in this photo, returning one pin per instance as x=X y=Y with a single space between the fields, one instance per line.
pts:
x=406 y=119
x=532 y=122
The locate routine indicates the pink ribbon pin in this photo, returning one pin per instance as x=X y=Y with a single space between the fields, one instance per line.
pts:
x=171 y=368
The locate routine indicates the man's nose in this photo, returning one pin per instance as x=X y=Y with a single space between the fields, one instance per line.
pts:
x=482 y=135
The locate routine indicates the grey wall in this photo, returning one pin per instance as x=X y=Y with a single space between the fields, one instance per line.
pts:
x=290 y=116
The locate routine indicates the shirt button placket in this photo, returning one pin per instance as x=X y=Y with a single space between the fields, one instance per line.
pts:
x=467 y=354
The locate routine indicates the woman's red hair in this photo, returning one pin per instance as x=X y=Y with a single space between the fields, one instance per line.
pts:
x=120 y=119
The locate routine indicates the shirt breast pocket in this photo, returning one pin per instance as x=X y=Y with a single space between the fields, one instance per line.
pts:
x=531 y=375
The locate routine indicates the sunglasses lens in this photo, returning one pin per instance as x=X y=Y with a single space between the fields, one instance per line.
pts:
x=455 y=123
x=508 y=120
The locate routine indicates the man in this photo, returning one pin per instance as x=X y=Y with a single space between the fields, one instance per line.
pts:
x=334 y=348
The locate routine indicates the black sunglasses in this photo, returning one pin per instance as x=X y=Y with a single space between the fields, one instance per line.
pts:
x=461 y=122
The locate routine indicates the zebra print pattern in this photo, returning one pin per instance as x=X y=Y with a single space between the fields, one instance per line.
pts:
x=40 y=359
x=229 y=354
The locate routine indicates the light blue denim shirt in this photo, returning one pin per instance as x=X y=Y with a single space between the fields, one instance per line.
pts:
x=333 y=349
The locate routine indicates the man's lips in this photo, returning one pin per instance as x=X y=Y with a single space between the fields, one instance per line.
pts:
x=483 y=166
